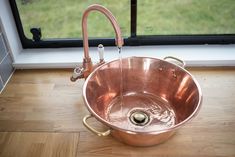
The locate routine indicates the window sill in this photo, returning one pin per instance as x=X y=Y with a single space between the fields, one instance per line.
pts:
x=193 y=55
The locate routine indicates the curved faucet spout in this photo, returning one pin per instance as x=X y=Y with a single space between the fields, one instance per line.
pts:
x=112 y=19
x=88 y=67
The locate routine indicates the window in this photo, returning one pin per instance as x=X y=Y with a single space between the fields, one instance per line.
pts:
x=143 y=22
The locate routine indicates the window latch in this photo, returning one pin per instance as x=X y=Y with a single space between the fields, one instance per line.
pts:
x=36 y=34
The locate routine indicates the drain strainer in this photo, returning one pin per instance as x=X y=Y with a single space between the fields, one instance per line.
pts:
x=139 y=118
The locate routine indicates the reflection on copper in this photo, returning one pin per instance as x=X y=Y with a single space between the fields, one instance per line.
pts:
x=98 y=81
x=183 y=87
x=191 y=96
x=168 y=101
x=146 y=64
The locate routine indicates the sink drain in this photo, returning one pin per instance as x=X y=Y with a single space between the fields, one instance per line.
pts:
x=139 y=118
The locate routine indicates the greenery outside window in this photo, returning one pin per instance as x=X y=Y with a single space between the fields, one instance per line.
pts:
x=143 y=22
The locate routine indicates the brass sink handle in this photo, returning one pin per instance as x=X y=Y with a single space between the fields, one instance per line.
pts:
x=182 y=63
x=99 y=133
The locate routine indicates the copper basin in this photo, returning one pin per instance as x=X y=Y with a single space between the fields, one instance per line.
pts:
x=143 y=103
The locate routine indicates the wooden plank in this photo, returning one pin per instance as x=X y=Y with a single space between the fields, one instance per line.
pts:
x=42 y=100
x=30 y=144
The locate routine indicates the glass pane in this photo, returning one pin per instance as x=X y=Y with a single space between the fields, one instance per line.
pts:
x=175 y=17
x=62 y=18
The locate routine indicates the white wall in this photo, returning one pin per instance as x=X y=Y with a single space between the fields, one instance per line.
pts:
x=10 y=28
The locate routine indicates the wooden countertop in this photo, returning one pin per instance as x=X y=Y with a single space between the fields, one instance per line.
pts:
x=41 y=114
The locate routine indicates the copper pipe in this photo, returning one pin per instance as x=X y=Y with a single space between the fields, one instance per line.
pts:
x=112 y=19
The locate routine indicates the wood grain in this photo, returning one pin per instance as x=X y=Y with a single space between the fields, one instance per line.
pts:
x=41 y=114
x=33 y=144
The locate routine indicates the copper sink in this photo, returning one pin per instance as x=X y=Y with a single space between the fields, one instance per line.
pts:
x=144 y=103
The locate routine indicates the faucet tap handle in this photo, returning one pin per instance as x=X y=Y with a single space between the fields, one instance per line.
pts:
x=101 y=52
x=77 y=74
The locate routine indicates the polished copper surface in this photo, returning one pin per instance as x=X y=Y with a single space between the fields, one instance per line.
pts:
x=167 y=93
x=87 y=66
x=87 y=63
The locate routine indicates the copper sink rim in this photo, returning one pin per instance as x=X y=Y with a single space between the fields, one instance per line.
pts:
x=111 y=126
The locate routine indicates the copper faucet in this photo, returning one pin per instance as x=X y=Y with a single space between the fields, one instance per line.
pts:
x=88 y=67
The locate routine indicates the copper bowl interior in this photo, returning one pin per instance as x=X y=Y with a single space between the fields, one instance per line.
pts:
x=166 y=93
